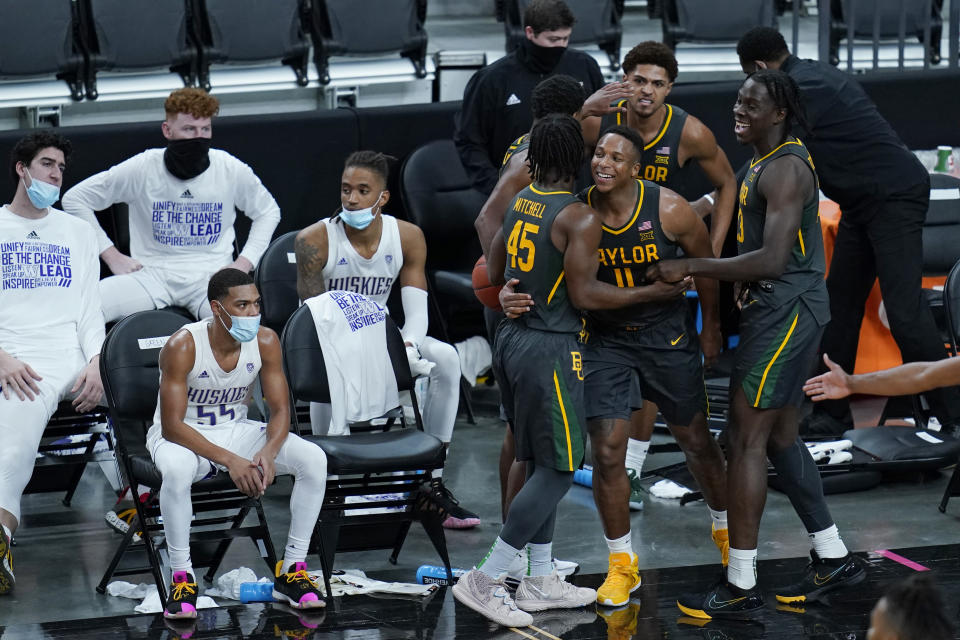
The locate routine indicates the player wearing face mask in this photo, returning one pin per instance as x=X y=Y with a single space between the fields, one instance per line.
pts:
x=183 y=202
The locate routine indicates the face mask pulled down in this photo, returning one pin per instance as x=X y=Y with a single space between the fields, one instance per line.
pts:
x=42 y=194
x=360 y=218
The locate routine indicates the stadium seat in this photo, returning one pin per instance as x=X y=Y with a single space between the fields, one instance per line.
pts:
x=276 y=279
x=372 y=465
x=128 y=35
x=251 y=32
x=37 y=39
x=860 y=16
x=129 y=369
x=951 y=303
x=597 y=22
x=345 y=28
x=710 y=21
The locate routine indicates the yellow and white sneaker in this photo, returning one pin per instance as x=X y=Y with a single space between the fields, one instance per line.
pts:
x=6 y=564
x=623 y=578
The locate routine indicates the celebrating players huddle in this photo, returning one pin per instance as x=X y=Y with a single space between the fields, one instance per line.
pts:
x=596 y=340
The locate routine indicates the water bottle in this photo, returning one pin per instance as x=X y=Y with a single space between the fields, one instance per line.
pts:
x=584 y=476
x=429 y=574
x=944 y=154
x=256 y=592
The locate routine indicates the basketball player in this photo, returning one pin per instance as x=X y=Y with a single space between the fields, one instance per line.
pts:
x=677 y=141
x=784 y=310
x=363 y=250
x=551 y=242
x=657 y=341
x=51 y=325
x=201 y=428
x=182 y=202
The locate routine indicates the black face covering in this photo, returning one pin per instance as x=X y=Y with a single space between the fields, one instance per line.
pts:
x=187 y=158
x=539 y=59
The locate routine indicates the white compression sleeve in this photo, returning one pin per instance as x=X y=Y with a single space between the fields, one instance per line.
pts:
x=414 y=314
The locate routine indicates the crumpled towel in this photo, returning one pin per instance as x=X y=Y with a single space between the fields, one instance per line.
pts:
x=150 y=596
x=353 y=581
x=669 y=489
x=228 y=584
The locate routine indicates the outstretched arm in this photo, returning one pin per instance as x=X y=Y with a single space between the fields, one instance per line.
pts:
x=910 y=378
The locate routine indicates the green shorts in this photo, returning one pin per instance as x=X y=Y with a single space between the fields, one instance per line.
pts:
x=663 y=360
x=541 y=387
x=777 y=350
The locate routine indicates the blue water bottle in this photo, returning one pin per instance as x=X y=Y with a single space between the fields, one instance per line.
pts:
x=584 y=476
x=256 y=592
x=429 y=574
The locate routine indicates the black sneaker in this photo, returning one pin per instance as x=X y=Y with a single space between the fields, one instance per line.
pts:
x=457 y=516
x=822 y=576
x=182 y=600
x=300 y=624
x=296 y=588
x=821 y=423
x=6 y=564
x=723 y=600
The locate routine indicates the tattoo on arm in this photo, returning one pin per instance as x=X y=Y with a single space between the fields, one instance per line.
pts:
x=309 y=269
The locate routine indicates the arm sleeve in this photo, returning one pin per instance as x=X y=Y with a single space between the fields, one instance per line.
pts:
x=414 y=315
x=257 y=204
x=473 y=132
x=99 y=191
x=90 y=324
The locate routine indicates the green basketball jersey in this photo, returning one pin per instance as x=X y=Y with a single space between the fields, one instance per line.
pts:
x=660 y=162
x=535 y=262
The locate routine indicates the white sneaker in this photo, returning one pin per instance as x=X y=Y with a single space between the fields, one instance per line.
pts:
x=537 y=593
x=518 y=567
x=490 y=598
x=565 y=567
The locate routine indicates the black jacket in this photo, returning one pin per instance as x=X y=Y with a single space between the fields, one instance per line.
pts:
x=858 y=156
x=496 y=109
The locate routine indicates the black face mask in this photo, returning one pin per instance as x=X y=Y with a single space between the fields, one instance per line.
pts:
x=187 y=158
x=539 y=59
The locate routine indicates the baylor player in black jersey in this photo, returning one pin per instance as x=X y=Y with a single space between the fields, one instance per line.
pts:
x=784 y=310
x=550 y=239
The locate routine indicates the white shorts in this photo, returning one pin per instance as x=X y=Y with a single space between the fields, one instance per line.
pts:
x=242 y=437
x=156 y=288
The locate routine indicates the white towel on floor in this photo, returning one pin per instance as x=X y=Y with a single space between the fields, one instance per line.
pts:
x=669 y=489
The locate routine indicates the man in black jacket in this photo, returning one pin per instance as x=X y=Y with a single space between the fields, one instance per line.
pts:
x=496 y=102
x=883 y=192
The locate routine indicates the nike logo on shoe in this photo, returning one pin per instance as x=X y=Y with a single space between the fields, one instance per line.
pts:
x=718 y=604
x=817 y=580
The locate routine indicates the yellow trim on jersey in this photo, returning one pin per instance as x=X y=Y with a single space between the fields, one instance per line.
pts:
x=636 y=214
x=554 y=290
x=786 y=339
x=566 y=425
x=546 y=193
x=620 y=113
x=754 y=163
x=666 y=123
x=803 y=250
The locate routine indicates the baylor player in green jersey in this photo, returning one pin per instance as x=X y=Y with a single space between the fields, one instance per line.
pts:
x=784 y=310
x=550 y=239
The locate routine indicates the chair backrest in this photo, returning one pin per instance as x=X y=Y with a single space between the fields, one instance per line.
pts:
x=250 y=31
x=130 y=371
x=138 y=34
x=711 y=21
x=863 y=13
x=349 y=27
x=951 y=305
x=597 y=22
x=941 y=229
x=276 y=278
x=441 y=200
x=306 y=369
x=37 y=38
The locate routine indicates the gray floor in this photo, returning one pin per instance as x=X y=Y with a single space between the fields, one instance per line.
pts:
x=66 y=550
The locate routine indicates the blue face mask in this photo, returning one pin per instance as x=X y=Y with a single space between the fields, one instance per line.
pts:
x=359 y=218
x=242 y=328
x=42 y=194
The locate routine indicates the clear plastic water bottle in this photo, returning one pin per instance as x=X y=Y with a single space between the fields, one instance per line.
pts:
x=256 y=592
x=430 y=574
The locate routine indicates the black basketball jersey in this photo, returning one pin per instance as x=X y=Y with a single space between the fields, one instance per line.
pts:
x=805 y=269
x=624 y=256
x=517 y=146
x=660 y=161
x=536 y=262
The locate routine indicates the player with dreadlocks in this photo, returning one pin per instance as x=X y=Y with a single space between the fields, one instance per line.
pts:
x=550 y=253
x=784 y=309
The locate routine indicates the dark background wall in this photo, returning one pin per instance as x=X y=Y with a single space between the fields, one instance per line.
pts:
x=299 y=156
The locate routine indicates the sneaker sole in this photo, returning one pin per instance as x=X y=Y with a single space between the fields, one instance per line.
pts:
x=180 y=616
x=287 y=600
x=457 y=523
x=703 y=615
x=545 y=605
x=814 y=595
x=609 y=603
x=463 y=597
